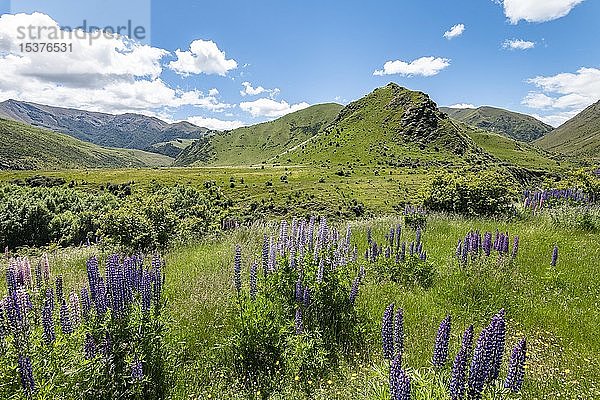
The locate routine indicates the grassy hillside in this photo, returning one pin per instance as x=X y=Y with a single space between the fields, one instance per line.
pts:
x=580 y=136
x=391 y=126
x=260 y=143
x=26 y=147
x=508 y=123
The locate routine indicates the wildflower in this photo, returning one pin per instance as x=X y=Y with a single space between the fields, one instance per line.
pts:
x=515 y=247
x=516 y=367
x=554 y=256
x=59 y=288
x=399 y=382
x=354 y=289
x=440 y=351
x=479 y=369
x=298 y=321
x=137 y=371
x=306 y=299
x=498 y=327
x=459 y=371
x=387 y=331
x=467 y=340
x=89 y=346
x=65 y=321
x=237 y=269
x=399 y=331
x=26 y=373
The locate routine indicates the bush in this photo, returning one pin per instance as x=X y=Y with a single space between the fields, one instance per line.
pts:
x=488 y=193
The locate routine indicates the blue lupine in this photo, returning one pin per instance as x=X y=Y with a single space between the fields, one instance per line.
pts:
x=554 y=256
x=146 y=292
x=237 y=269
x=26 y=374
x=458 y=380
x=516 y=367
x=59 y=288
x=399 y=381
x=467 y=340
x=299 y=290
x=487 y=243
x=137 y=370
x=253 y=280
x=11 y=279
x=442 y=341
x=354 y=289
x=48 y=324
x=479 y=369
x=418 y=235
x=306 y=299
x=515 y=247
x=498 y=327
x=387 y=332
x=399 y=332
x=65 y=321
x=320 y=270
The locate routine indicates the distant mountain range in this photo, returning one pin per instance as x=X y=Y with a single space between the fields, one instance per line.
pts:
x=25 y=147
x=509 y=123
x=130 y=131
x=579 y=136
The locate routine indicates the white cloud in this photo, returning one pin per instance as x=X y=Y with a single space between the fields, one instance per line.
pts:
x=254 y=91
x=462 y=105
x=563 y=95
x=270 y=108
x=537 y=10
x=424 y=66
x=110 y=74
x=203 y=57
x=455 y=31
x=556 y=119
x=215 y=124
x=518 y=44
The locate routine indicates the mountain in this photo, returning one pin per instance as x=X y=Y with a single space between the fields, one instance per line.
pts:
x=262 y=142
x=132 y=131
x=25 y=147
x=391 y=126
x=508 y=123
x=579 y=136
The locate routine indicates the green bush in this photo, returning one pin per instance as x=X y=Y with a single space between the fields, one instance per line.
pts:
x=489 y=193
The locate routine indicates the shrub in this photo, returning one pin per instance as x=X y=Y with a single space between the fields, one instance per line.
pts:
x=488 y=193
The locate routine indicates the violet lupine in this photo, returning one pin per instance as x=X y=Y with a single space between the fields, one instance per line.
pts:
x=498 y=327
x=253 y=280
x=399 y=332
x=26 y=374
x=442 y=341
x=479 y=368
x=59 y=288
x=354 y=289
x=49 y=334
x=298 y=321
x=299 y=290
x=467 y=340
x=146 y=292
x=458 y=380
x=137 y=370
x=11 y=279
x=320 y=271
x=515 y=247
x=554 y=256
x=265 y=255
x=387 y=332
x=65 y=322
x=487 y=244
x=237 y=269
x=306 y=297
x=399 y=381
x=418 y=235
x=89 y=346
x=516 y=367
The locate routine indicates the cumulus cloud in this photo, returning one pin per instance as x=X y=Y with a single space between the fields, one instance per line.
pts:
x=254 y=91
x=537 y=10
x=203 y=57
x=455 y=31
x=563 y=95
x=462 y=105
x=424 y=66
x=214 y=123
x=270 y=108
x=110 y=73
x=518 y=44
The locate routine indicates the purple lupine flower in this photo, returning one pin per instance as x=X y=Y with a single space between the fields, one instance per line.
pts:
x=38 y=276
x=48 y=324
x=554 y=256
x=442 y=340
x=299 y=290
x=137 y=370
x=146 y=292
x=75 y=308
x=354 y=289
x=26 y=374
x=89 y=346
x=272 y=256
x=387 y=332
x=65 y=322
x=479 y=368
x=306 y=299
x=59 y=288
x=11 y=279
x=298 y=321
x=515 y=247
x=459 y=375
x=418 y=235
x=253 y=280
x=399 y=332
x=265 y=254
x=516 y=367
x=403 y=252
x=399 y=381
x=498 y=327
x=237 y=269
x=100 y=301
x=505 y=244
x=467 y=340
x=86 y=303
x=487 y=243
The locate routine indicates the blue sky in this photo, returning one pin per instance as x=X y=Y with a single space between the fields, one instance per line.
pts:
x=524 y=55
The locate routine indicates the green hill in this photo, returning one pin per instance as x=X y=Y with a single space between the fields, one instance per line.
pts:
x=508 y=123
x=26 y=147
x=259 y=143
x=579 y=136
x=391 y=126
